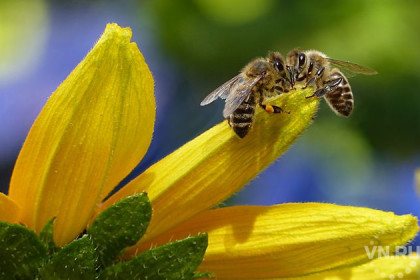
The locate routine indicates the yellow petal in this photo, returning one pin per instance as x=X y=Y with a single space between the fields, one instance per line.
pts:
x=216 y=164
x=92 y=132
x=9 y=210
x=289 y=240
x=392 y=267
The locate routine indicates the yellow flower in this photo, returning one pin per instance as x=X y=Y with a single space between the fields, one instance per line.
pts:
x=98 y=125
x=92 y=132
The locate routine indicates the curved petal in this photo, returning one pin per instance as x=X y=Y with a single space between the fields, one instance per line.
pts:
x=216 y=164
x=290 y=240
x=9 y=210
x=92 y=132
x=392 y=267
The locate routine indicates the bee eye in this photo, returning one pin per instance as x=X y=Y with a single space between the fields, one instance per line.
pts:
x=301 y=59
x=278 y=65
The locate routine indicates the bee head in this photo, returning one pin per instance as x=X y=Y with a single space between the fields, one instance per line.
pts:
x=257 y=68
x=295 y=60
x=279 y=63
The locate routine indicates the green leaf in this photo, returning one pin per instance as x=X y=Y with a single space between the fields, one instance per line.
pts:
x=176 y=260
x=120 y=226
x=77 y=260
x=21 y=252
x=46 y=236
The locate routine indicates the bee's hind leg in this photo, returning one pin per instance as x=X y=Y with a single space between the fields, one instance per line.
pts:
x=272 y=109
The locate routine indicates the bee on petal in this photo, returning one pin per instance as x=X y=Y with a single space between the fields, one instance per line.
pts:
x=313 y=68
x=258 y=80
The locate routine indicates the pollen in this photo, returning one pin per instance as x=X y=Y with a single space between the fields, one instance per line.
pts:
x=269 y=109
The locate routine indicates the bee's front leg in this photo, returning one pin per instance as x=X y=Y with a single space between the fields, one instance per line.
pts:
x=278 y=89
x=331 y=86
x=317 y=76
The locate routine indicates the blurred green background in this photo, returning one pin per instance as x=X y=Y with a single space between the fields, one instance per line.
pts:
x=194 y=46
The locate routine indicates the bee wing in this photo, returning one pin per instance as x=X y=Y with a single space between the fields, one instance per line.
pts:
x=238 y=94
x=222 y=91
x=352 y=67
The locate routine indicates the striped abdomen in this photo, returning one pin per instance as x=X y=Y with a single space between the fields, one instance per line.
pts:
x=241 y=119
x=341 y=99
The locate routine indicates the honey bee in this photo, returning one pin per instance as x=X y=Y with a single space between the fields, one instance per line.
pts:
x=312 y=67
x=259 y=79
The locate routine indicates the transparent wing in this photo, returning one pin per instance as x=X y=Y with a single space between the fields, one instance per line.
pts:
x=222 y=91
x=352 y=67
x=239 y=93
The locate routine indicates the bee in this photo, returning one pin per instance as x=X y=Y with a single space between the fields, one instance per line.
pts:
x=259 y=79
x=312 y=67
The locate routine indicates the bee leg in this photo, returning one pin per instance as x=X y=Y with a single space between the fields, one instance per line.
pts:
x=331 y=86
x=320 y=92
x=311 y=81
x=291 y=78
x=272 y=109
x=228 y=120
x=334 y=82
x=318 y=75
x=278 y=109
x=279 y=89
x=301 y=78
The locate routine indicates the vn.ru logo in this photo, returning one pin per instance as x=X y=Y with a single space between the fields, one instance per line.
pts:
x=410 y=265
